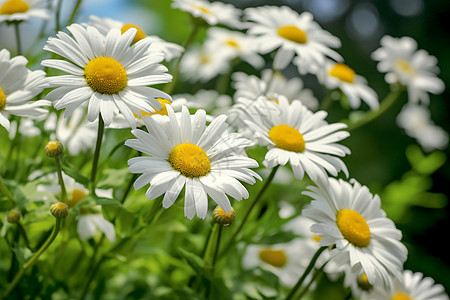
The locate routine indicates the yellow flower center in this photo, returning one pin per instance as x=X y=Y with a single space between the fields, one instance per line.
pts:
x=401 y=296
x=232 y=43
x=353 y=227
x=405 y=66
x=105 y=75
x=205 y=59
x=363 y=282
x=343 y=73
x=287 y=138
x=162 y=111
x=317 y=238
x=190 y=160
x=293 y=34
x=276 y=258
x=13 y=7
x=77 y=196
x=2 y=99
x=202 y=9
x=139 y=34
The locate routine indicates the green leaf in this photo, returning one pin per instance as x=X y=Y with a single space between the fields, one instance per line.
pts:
x=425 y=165
x=22 y=254
x=113 y=177
x=6 y=205
x=73 y=172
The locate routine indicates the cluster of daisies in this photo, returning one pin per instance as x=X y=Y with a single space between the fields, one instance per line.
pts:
x=195 y=145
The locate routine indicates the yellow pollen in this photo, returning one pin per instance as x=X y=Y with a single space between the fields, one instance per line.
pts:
x=52 y=145
x=139 y=34
x=405 y=66
x=343 y=73
x=2 y=99
x=204 y=59
x=353 y=227
x=105 y=75
x=401 y=296
x=287 y=138
x=77 y=196
x=13 y=7
x=276 y=258
x=363 y=282
x=190 y=160
x=232 y=43
x=293 y=34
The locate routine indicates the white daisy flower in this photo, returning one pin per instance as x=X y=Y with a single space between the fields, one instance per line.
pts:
x=20 y=10
x=235 y=44
x=284 y=29
x=340 y=76
x=90 y=224
x=108 y=72
x=213 y=13
x=296 y=135
x=280 y=259
x=104 y=25
x=349 y=217
x=214 y=103
x=416 y=120
x=27 y=128
x=184 y=152
x=17 y=86
x=76 y=133
x=404 y=64
x=411 y=286
x=272 y=84
x=203 y=64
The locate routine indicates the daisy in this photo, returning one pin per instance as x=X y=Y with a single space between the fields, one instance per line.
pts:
x=296 y=135
x=349 y=217
x=17 y=86
x=108 y=72
x=281 y=259
x=340 y=76
x=203 y=64
x=104 y=25
x=184 y=152
x=235 y=44
x=271 y=84
x=415 y=120
x=411 y=286
x=404 y=64
x=214 y=103
x=213 y=13
x=284 y=29
x=90 y=223
x=20 y=10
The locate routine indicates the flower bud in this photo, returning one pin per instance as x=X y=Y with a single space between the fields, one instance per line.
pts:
x=13 y=216
x=54 y=149
x=221 y=217
x=59 y=210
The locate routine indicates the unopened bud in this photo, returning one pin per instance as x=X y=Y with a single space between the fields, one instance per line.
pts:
x=221 y=217
x=59 y=210
x=54 y=149
x=13 y=216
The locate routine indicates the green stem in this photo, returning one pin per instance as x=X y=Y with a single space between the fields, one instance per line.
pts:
x=216 y=250
x=170 y=86
x=19 y=44
x=208 y=258
x=249 y=210
x=5 y=191
x=384 y=106
x=58 y=16
x=24 y=234
x=98 y=144
x=74 y=12
x=63 y=196
x=35 y=257
x=326 y=101
x=306 y=272
x=316 y=274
